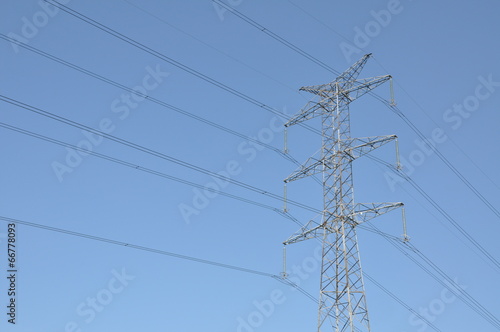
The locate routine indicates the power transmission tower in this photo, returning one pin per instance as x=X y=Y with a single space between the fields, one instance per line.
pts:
x=342 y=302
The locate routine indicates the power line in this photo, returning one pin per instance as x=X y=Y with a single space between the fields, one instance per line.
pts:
x=457 y=146
x=169 y=60
x=137 y=167
x=460 y=293
x=147 y=12
x=427 y=197
x=445 y=214
x=445 y=160
x=277 y=37
x=138 y=247
x=140 y=94
x=398 y=300
x=452 y=220
x=189 y=258
x=148 y=151
x=319 y=21
x=481 y=309
x=92 y=74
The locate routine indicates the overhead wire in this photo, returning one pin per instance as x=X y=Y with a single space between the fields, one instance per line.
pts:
x=138 y=167
x=190 y=35
x=445 y=214
x=397 y=299
x=427 y=197
x=485 y=313
x=142 y=95
x=457 y=146
x=447 y=282
x=138 y=247
x=138 y=147
x=173 y=62
x=438 y=153
x=405 y=246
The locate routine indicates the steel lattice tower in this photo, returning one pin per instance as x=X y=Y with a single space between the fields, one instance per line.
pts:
x=342 y=302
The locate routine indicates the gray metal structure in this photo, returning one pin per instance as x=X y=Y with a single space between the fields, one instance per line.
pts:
x=342 y=302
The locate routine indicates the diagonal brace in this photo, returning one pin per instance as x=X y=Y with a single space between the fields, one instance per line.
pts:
x=368 y=211
x=365 y=145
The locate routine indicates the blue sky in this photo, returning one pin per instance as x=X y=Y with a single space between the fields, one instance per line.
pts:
x=443 y=57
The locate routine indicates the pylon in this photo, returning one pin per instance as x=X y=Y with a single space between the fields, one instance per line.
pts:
x=342 y=301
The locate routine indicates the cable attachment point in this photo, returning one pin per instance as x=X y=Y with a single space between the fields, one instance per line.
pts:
x=392 y=101
x=285 y=209
x=406 y=238
x=283 y=274
x=285 y=143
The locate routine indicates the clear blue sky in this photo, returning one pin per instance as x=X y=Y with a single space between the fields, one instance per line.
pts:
x=444 y=60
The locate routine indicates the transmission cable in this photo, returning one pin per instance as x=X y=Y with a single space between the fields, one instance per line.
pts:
x=142 y=95
x=457 y=146
x=398 y=300
x=147 y=12
x=148 y=151
x=445 y=214
x=135 y=246
x=171 y=61
x=484 y=312
x=459 y=292
x=405 y=245
x=138 y=167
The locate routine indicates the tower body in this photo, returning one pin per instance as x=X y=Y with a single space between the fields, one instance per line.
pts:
x=342 y=301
